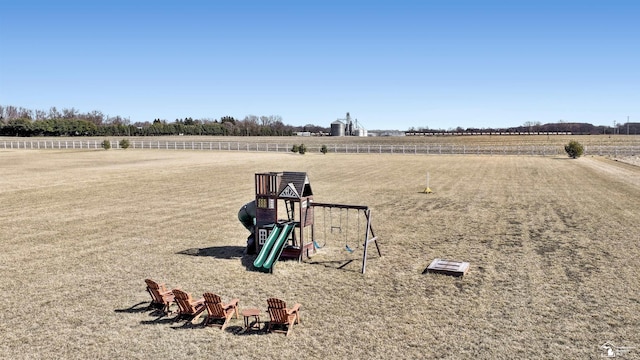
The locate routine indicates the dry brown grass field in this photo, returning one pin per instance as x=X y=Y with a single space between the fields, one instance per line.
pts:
x=522 y=140
x=553 y=245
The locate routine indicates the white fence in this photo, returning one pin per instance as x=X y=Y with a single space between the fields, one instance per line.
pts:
x=435 y=149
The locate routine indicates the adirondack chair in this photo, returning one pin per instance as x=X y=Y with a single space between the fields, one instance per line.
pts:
x=219 y=311
x=280 y=315
x=187 y=307
x=160 y=296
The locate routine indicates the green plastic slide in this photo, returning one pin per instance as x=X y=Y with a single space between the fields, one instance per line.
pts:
x=276 y=250
x=266 y=248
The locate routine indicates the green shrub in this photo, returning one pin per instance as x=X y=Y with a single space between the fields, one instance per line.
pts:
x=124 y=143
x=106 y=144
x=323 y=149
x=295 y=148
x=302 y=149
x=574 y=149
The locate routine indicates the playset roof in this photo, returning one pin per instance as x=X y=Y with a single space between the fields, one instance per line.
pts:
x=299 y=181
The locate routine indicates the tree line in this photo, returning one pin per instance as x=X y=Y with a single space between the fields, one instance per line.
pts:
x=18 y=121
x=531 y=127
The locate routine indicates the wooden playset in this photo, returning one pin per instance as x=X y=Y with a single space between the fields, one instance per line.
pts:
x=292 y=237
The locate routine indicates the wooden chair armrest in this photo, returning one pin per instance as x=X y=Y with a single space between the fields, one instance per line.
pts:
x=232 y=303
x=294 y=309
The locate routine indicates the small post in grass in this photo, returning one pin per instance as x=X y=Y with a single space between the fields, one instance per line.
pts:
x=427 y=190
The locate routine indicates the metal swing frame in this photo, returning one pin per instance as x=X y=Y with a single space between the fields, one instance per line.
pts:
x=369 y=236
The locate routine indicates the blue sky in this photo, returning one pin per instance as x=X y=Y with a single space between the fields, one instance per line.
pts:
x=391 y=64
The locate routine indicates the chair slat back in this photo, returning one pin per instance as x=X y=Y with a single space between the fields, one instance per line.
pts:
x=214 y=305
x=154 y=289
x=277 y=310
x=276 y=303
x=184 y=301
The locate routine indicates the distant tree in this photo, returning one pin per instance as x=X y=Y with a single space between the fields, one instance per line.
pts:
x=81 y=128
x=227 y=119
x=315 y=129
x=265 y=120
x=142 y=124
x=115 y=120
x=54 y=113
x=95 y=117
x=249 y=125
x=574 y=149
x=11 y=112
x=19 y=127
x=280 y=129
x=229 y=128
x=69 y=113
x=40 y=115
x=25 y=113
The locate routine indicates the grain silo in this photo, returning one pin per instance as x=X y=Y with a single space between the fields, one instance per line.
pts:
x=337 y=128
x=347 y=127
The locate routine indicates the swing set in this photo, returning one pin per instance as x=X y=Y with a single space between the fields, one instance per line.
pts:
x=338 y=227
x=343 y=228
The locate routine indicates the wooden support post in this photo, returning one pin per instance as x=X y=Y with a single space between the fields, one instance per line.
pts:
x=367 y=240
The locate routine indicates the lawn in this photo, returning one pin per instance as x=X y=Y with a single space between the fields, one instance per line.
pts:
x=552 y=245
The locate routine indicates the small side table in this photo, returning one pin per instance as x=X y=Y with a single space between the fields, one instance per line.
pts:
x=248 y=324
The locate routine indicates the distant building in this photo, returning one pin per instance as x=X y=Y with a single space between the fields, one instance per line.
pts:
x=346 y=127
